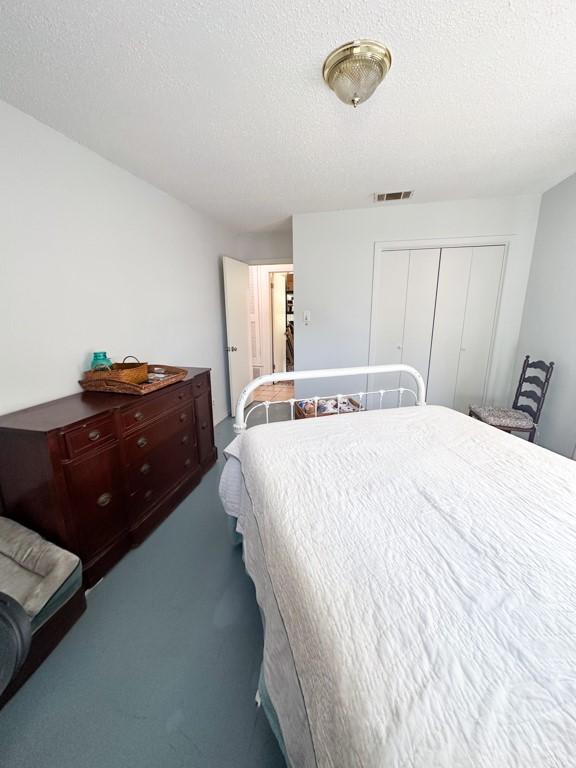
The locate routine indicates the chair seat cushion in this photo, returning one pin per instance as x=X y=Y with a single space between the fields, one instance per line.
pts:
x=33 y=571
x=505 y=418
x=68 y=589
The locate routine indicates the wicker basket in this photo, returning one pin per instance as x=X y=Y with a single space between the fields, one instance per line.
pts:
x=106 y=383
x=127 y=373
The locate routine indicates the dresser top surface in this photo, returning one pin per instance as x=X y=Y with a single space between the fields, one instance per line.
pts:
x=83 y=405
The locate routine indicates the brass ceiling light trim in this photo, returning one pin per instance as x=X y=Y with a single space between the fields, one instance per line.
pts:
x=354 y=70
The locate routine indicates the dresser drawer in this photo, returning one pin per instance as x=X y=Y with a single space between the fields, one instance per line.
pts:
x=150 y=407
x=201 y=383
x=165 y=464
x=204 y=427
x=92 y=433
x=156 y=433
x=96 y=500
x=158 y=473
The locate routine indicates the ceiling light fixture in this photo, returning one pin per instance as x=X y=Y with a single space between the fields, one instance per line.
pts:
x=356 y=69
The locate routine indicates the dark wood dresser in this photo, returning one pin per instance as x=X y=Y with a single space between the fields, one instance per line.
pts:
x=96 y=472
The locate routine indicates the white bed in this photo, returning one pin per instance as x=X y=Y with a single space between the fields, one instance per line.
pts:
x=416 y=573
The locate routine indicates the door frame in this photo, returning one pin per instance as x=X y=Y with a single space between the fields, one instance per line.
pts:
x=265 y=308
x=272 y=276
x=450 y=242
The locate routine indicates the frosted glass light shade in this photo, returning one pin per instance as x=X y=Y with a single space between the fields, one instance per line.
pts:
x=356 y=69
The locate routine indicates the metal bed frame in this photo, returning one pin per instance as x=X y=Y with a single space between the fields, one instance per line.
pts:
x=242 y=415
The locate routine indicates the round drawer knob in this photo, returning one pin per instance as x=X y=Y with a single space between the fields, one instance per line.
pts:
x=94 y=435
x=145 y=469
x=204 y=425
x=182 y=417
x=142 y=442
x=188 y=462
x=104 y=499
x=185 y=440
x=138 y=415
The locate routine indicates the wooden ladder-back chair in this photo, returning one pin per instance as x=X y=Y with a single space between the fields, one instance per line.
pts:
x=528 y=401
x=289 y=348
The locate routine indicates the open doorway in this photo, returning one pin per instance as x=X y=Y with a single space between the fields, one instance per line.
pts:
x=259 y=304
x=272 y=327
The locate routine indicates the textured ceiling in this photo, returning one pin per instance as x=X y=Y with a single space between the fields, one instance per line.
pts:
x=222 y=104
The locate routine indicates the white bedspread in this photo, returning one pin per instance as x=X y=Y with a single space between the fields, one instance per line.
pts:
x=423 y=566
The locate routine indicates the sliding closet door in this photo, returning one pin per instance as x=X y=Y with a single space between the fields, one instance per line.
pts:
x=466 y=306
x=389 y=288
x=479 y=324
x=403 y=299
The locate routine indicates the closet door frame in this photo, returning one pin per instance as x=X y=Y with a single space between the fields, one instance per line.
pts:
x=447 y=242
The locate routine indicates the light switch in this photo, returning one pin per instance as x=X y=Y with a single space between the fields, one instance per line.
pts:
x=307 y=317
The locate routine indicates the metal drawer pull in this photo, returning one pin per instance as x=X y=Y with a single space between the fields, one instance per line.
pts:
x=204 y=425
x=138 y=415
x=187 y=462
x=185 y=440
x=104 y=499
x=182 y=417
x=142 y=442
x=94 y=435
x=145 y=469
x=148 y=495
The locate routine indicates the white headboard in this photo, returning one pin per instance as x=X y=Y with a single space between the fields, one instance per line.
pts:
x=325 y=373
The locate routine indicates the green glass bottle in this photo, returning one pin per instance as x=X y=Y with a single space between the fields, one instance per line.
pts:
x=100 y=359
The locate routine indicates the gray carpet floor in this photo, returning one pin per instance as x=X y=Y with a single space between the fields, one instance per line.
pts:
x=162 y=669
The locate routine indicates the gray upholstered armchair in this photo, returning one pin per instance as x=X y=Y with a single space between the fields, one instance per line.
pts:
x=15 y=637
x=41 y=596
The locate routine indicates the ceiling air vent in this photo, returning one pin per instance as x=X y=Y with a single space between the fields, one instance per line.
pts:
x=383 y=197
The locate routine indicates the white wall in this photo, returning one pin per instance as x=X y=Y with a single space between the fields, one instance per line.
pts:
x=92 y=258
x=265 y=248
x=333 y=262
x=549 y=322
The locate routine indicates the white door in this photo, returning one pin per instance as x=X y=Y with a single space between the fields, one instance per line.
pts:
x=403 y=299
x=278 y=292
x=419 y=316
x=237 y=304
x=389 y=287
x=466 y=308
x=479 y=325
x=448 y=325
